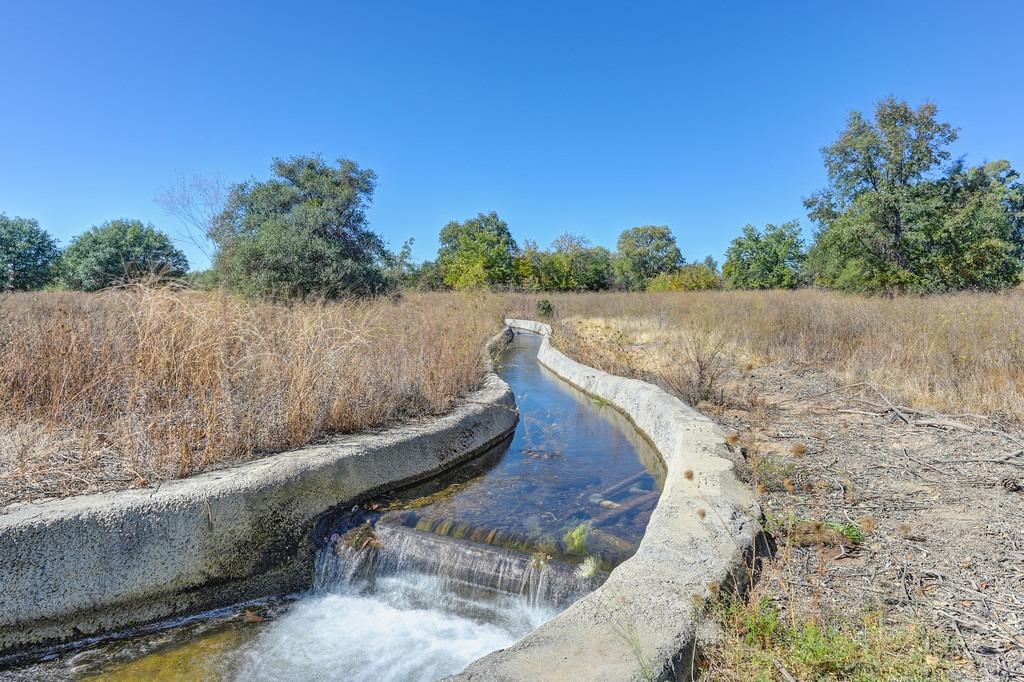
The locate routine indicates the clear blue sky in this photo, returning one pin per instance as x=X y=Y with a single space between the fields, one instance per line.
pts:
x=589 y=116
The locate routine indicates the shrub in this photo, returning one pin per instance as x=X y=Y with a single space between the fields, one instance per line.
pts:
x=771 y=259
x=119 y=251
x=697 y=374
x=691 y=277
x=27 y=254
x=544 y=308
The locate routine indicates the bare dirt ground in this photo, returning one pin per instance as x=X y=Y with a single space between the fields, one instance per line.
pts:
x=940 y=498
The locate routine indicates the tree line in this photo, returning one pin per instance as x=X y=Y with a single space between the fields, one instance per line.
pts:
x=898 y=215
x=117 y=251
x=481 y=252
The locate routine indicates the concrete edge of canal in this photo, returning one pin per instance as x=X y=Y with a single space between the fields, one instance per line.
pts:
x=89 y=565
x=644 y=622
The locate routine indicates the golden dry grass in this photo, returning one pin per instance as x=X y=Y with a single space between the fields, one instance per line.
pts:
x=142 y=384
x=955 y=353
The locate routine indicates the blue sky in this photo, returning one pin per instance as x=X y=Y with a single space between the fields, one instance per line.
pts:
x=583 y=116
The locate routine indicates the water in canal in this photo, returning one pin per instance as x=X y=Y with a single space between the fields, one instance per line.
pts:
x=417 y=584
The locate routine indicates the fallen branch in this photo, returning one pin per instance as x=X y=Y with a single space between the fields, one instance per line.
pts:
x=788 y=676
x=628 y=506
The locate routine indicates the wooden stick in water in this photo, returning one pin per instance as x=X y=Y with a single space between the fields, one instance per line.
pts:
x=638 y=501
x=623 y=483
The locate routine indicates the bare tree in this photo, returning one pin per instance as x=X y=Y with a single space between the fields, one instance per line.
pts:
x=195 y=201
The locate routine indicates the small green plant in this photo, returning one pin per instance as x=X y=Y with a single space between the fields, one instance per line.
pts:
x=771 y=473
x=547 y=545
x=851 y=531
x=757 y=624
x=588 y=568
x=868 y=647
x=575 y=539
x=544 y=308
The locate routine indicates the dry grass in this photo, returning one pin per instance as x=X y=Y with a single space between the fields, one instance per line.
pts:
x=138 y=385
x=956 y=353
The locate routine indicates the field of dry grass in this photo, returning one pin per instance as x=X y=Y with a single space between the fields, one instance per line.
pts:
x=957 y=353
x=132 y=386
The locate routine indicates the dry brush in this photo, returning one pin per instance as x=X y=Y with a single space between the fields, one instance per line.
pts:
x=137 y=385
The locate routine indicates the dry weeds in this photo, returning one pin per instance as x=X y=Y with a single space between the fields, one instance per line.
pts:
x=133 y=386
x=883 y=440
x=956 y=353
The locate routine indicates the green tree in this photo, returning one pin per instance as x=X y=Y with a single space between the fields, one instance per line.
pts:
x=531 y=266
x=644 y=253
x=771 y=259
x=690 y=277
x=302 y=233
x=427 y=277
x=27 y=254
x=478 y=252
x=574 y=265
x=119 y=251
x=594 y=269
x=893 y=219
x=975 y=238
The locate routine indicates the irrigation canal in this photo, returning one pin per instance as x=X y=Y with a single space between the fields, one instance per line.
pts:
x=417 y=584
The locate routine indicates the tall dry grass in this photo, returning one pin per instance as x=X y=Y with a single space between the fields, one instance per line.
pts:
x=138 y=385
x=961 y=353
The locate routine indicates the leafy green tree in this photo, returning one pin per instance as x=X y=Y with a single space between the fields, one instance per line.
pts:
x=690 y=277
x=594 y=269
x=644 y=253
x=302 y=233
x=27 y=254
x=119 y=251
x=478 y=252
x=893 y=219
x=204 y=280
x=975 y=240
x=574 y=265
x=571 y=264
x=427 y=277
x=765 y=260
x=531 y=266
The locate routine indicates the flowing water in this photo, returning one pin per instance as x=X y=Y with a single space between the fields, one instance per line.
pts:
x=417 y=584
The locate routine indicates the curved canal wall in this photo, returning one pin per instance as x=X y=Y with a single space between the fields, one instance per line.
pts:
x=82 y=566
x=643 y=622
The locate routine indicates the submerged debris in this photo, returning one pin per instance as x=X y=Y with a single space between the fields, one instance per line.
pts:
x=359 y=538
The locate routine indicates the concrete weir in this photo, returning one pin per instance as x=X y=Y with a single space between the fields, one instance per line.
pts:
x=94 y=564
x=643 y=622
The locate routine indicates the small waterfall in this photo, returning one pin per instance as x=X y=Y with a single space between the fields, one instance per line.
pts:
x=469 y=569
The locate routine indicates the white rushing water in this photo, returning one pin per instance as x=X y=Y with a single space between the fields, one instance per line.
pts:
x=410 y=628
